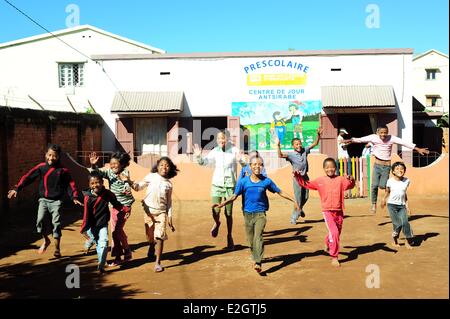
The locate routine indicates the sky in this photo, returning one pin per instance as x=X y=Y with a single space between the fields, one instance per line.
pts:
x=182 y=26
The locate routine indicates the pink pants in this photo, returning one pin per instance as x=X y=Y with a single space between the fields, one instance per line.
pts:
x=119 y=239
x=333 y=220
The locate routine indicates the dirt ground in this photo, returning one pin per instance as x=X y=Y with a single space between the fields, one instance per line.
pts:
x=198 y=266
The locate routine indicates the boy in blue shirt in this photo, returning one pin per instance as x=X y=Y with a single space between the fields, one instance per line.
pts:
x=256 y=203
x=247 y=171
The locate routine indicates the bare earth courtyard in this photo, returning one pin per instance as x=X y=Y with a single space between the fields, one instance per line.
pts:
x=198 y=266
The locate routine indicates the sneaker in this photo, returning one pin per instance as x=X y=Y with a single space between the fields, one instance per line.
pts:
x=215 y=230
x=158 y=268
x=302 y=214
x=258 y=268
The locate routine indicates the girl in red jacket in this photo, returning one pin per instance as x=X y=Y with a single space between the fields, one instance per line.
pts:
x=331 y=191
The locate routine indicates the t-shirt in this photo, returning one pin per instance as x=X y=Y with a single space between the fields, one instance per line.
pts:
x=299 y=160
x=255 y=197
x=121 y=189
x=225 y=165
x=247 y=171
x=342 y=148
x=398 y=190
x=159 y=193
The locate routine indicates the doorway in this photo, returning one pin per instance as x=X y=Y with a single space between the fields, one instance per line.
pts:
x=357 y=125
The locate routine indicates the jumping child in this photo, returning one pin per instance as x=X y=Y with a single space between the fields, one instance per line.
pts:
x=397 y=204
x=157 y=205
x=256 y=204
x=382 y=150
x=96 y=215
x=117 y=176
x=54 y=180
x=299 y=162
x=224 y=157
x=331 y=191
x=247 y=171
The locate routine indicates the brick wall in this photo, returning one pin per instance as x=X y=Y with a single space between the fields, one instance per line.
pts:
x=24 y=136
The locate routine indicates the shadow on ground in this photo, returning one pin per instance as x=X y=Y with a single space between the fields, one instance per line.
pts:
x=50 y=279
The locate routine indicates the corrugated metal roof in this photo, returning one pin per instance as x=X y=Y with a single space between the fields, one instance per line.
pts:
x=355 y=96
x=131 y=101
x=253 y=54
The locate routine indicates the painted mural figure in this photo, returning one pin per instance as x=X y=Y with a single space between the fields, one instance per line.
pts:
x=278 y=126
x=296 y=117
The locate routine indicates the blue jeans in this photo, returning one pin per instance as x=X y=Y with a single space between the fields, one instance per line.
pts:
x=100 y=237
x=399 y=219
x=380 y=176
x=301 y=196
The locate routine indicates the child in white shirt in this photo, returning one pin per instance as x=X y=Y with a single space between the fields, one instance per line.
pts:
x=157 y=205
x=397 y=204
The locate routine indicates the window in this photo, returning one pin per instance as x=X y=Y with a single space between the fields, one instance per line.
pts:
x=71 y=74
x=431 y=74
x=434 y=101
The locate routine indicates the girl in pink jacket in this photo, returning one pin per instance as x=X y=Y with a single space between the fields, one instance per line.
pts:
x=331 y=191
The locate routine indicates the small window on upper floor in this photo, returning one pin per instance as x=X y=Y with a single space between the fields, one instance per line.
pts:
x=431 y=74
x=434 y=101
x=71 y=74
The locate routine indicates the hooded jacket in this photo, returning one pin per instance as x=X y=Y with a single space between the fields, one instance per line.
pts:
x=96 y=210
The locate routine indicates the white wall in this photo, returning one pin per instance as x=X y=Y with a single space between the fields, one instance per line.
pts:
x=423 y=87
x=211 y=85
x=32 y=69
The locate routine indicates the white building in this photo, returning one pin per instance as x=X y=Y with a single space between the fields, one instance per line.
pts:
x=431 y=81
x=358 y=89
x=161 y=102
x=47 y=72
x=430 y=98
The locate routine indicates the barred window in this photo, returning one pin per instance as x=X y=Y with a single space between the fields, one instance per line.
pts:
x=71 y=74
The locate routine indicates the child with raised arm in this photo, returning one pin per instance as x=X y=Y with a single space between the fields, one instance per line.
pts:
x=96 y=215
x=54 y=181
x=299 y=162
x=117 y=176
x=225 y=158
x=331 y=191
x=382 y=150
x=256 y=204
x=157 y=205
x=397 y=204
